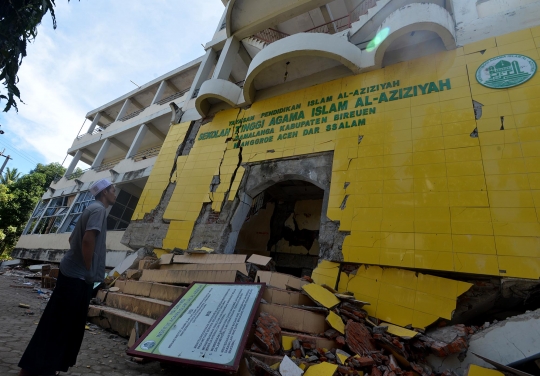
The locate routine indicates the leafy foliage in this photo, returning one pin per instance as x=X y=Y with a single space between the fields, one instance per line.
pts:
x=18 y=27
x=10 y=176
x=18 y=199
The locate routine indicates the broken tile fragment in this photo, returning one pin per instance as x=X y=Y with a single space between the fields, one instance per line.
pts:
x=475 y=370
x=326 y=273
x=321 y=296
x=287 y=342
x=399 y=331
x=342 y=356
x=335 y=322
x=322 y=369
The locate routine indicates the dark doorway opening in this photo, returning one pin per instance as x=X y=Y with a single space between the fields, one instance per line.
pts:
x=284 y=223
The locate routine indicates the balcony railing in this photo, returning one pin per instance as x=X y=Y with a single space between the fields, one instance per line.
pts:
x=133 y=114
x=76 y=174
x=147 y=153
x=171 y=97
x=269 y=36
x=332 y=27
x=108 y=164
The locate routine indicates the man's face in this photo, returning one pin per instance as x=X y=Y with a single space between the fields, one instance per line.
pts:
x=110 y=195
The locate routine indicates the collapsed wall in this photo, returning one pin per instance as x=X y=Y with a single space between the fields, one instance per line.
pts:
x=427 y=170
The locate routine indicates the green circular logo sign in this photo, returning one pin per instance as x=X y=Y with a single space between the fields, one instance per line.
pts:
x=506 y=71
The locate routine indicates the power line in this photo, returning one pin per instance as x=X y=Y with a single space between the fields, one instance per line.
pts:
x=22 y=155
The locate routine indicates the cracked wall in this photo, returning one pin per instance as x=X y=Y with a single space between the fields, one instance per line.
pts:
x=417 y=180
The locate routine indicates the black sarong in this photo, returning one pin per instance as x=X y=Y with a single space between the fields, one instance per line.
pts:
x=59 y=334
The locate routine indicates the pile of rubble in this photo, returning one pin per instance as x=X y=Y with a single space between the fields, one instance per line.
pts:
x=355 y=344
x=302 y=326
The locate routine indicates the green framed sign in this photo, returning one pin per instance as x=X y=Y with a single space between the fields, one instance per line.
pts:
x=206 y=327
x=506 y=71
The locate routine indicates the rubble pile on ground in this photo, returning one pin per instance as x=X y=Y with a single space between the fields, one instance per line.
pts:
x=302 y=325
x=354 y=342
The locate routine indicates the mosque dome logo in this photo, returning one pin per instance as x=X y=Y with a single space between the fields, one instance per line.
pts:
x=506 y=71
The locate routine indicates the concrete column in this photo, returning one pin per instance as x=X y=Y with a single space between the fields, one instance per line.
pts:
x=101 y=153
x=123 y=110
x=159 y=92
x=222 y=19
x=202 y=74
x=94 y=123
x=226 y=59
x=137 y=141
x=74 y=161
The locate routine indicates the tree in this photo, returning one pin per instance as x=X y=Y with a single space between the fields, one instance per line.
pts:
x=11 y=175
x=18 y=26
x=51 y=172
x=18 y=199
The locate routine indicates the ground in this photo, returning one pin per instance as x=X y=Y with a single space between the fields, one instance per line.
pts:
x=102 y=353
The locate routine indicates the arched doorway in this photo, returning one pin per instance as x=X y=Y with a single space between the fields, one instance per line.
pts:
x=284 y=223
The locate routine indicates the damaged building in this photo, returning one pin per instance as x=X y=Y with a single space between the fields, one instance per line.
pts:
x=392 y=146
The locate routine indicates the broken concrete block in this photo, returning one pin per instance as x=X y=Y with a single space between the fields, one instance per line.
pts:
x=295 y=319
x=505 y=342
x=133 y=274
x=331 y=333
x=288 y=368
x=268 y=334
x=280 y=280
x=359 y=338
x=257 y=367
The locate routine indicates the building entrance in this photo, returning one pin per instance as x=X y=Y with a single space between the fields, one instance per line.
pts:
x=284 y=223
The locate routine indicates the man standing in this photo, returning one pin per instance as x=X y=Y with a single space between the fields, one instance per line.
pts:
x=58 y=337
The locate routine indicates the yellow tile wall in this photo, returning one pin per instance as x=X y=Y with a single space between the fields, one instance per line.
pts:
x=403 y=297
x=422 y=193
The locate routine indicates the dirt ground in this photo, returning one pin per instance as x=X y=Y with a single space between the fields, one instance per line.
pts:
x=102 y=353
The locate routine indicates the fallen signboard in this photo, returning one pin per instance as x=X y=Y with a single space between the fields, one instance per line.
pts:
x=206 y=327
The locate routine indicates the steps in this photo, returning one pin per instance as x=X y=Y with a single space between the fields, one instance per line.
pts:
x=118 y=320
x=148 y=307
x=141 y=302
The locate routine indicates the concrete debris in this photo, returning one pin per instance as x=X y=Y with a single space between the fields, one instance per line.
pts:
x=268 y=334
x=518 y=336
x=306 y=327
x=288 y=368
x=359 y=338
x=10 y=263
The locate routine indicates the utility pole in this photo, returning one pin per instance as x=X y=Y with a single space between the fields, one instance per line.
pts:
x=8 y=157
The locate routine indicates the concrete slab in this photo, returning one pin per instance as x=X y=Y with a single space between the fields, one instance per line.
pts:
x=148 y=307
x=505 y=342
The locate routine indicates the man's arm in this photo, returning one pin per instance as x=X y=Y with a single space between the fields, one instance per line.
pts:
x=88 y=246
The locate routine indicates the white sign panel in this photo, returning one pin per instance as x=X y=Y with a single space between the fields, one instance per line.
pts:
x=206 y=325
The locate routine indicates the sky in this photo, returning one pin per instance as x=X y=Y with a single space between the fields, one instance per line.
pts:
x=89 y=60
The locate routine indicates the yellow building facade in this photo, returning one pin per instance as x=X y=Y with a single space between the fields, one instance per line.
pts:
x=420 y=180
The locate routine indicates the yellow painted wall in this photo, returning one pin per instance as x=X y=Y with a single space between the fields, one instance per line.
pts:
x=422 y=192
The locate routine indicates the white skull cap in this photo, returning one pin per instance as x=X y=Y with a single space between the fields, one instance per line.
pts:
x=99 y=185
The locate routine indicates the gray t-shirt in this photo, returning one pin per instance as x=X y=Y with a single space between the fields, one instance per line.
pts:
x=94 y=217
